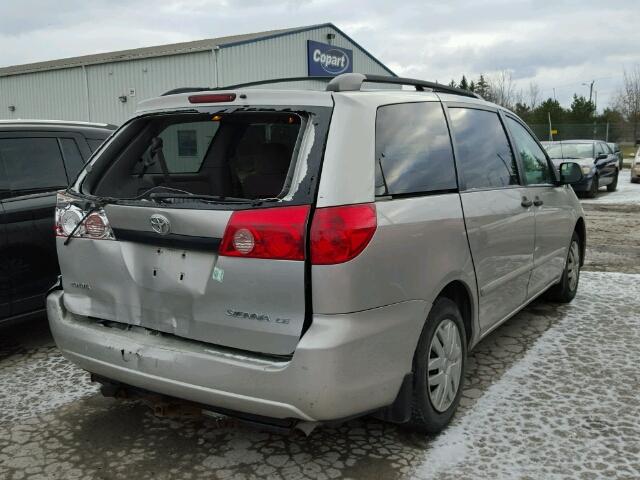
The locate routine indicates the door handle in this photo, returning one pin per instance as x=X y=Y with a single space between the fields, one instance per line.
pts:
x=537 y=202
x=526 y=202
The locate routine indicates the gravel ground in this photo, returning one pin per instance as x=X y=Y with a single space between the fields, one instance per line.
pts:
x=550 y=394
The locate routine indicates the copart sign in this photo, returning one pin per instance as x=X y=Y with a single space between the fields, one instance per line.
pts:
x=328 y=60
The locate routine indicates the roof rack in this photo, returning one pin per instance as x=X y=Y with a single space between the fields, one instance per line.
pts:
x=352 y=82
x=175 y=91
x=347 y=82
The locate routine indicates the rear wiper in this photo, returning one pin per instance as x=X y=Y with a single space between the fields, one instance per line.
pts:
x=192 y=196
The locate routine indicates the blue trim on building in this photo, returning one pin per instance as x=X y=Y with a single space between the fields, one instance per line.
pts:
x=307 y=29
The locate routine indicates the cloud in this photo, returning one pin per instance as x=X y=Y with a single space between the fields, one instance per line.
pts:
x=559 y=44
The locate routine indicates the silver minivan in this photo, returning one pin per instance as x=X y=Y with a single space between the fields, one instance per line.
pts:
x=301 y=257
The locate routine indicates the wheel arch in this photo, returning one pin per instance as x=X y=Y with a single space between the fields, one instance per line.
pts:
x=459 y=293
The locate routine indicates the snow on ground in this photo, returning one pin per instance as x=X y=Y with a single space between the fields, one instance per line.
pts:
x=570 y=408
x=52 y=382
x=558 y=398
x=626 y=193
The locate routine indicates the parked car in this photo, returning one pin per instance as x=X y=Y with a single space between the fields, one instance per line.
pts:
x=37 y=158
x=599 y=165
x=635 y=167
x=297 y=257
x=615 y=149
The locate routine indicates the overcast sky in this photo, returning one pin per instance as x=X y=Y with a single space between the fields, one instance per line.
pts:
x=557 y=44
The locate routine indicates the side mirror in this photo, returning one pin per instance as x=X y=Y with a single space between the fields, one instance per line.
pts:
x=602 y=156
x=570 y=172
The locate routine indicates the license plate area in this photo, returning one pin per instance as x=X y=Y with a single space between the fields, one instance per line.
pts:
x=169 y=270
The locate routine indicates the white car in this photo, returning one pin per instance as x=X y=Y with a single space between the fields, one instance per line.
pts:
x=635 y=167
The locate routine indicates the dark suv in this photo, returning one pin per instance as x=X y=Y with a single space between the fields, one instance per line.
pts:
x=37 y=158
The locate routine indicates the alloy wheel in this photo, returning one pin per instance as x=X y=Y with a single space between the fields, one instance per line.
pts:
x=444 y=365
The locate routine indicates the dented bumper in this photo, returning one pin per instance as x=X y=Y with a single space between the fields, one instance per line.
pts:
x=344 y=365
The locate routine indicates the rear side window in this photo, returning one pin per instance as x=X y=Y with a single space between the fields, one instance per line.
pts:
x=32 y=164
x=483 y=153
x=413 y=150
x=72 y=157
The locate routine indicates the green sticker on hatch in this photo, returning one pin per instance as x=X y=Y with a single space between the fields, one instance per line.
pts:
x=218 y=274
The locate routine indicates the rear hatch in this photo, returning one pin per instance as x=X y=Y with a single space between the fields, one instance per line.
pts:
x=194 y=223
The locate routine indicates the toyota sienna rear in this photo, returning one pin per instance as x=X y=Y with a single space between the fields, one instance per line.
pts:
x=300 y=256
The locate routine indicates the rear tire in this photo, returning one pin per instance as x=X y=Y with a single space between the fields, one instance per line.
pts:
x=613 y=185
x=438 y=368
x=565 y=290
x=593 y=191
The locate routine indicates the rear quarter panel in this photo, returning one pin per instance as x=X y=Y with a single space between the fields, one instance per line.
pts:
x=420 y=246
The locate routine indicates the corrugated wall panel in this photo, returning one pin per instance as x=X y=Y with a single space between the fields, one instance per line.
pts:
x=53 y=95
x=149 y=77
x=61 y=94
x=284 y=56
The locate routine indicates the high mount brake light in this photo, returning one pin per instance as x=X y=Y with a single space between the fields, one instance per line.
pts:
x=339 y=234
x=212 y=98
x=272 y=233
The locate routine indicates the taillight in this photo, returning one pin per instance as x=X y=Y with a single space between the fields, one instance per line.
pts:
x=212 y=98
x=75 y=217
x=273 y=233
x=339 y=234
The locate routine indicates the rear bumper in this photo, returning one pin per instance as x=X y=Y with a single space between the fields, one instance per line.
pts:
x=344 y=365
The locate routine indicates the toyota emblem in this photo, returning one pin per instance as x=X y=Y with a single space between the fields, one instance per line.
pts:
x=160 y=224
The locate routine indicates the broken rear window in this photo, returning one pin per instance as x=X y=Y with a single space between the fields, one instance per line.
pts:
x=246 y=155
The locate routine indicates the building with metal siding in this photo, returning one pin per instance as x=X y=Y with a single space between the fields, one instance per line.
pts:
x=106 y=87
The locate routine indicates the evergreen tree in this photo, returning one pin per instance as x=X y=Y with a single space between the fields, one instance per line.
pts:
x=452 y=83
x=581 y=111
x=464 y=85
x=482 y=87
x=472 y=86
x=549 y=107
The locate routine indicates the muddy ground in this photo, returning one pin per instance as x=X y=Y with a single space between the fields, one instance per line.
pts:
x=613 y=243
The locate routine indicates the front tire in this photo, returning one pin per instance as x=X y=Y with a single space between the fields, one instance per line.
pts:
x=613 y=185
x=593 y=191
x=438 y=368
x=566 y=289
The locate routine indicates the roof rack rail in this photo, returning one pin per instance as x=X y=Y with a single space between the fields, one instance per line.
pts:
x=175 y=91
x=273 y=80
x=352 y=82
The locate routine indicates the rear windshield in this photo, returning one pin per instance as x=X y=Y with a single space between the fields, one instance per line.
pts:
x=570 y=150
x=242 y=155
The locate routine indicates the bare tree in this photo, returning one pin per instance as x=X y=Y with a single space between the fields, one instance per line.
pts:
x=502 y=89
x=533 y=95
x=628 y=99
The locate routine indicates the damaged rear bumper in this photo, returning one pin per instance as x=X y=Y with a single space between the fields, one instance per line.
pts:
x=344 y=365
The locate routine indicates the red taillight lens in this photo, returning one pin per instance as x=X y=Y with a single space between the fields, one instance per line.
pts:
x=212 y=98
x=339 y=234
x=274 y=233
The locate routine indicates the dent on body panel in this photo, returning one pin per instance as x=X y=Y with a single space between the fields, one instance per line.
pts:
x=419 y=246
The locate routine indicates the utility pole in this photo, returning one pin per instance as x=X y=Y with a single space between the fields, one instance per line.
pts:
x=591 y=90
x=550 y=131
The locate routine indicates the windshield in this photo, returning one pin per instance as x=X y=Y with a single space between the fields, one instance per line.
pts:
x=570 y=150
